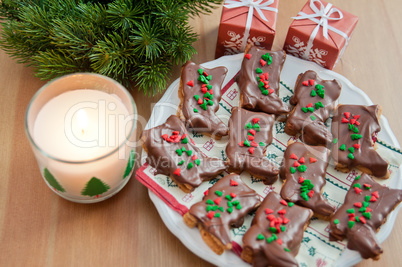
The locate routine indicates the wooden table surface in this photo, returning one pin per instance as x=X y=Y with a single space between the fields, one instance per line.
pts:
x=38 y=228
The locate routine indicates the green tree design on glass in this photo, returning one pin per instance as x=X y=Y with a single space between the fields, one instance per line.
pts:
x=52 y=181
x=95 y=187
x=130 y=164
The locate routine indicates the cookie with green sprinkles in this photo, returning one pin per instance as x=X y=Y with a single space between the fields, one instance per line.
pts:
x=366 y=207
x=172 y=152
x=276 y=233
x=250 y=133
x=223 y=207
x=200 y=93
x=355 y=127
x=258 y=81
x=304 y=186
x=313 y=100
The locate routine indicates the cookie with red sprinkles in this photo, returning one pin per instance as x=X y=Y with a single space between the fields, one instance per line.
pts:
x=258 y=81
x=303 y=171
x=223 y=206
x=250 y=133
x=313 y=100
x=276 y=233
x=171 y=151
x=366 y=207
x=200 y=93
x=355 y=129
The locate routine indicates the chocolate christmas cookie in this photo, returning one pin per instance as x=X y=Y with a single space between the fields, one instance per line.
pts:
x=303 y=171
x=249 y=135
x=258 y=81
x=172 y=152
x=314 y=100
x=354 y=128
x=276 y=233
x=366 y=207
x=200 y=93
x=224 y=205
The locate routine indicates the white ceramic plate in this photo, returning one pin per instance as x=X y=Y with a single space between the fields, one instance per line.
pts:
x=167 y=105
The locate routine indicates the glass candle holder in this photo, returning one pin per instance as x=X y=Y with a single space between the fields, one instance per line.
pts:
x=81 y=128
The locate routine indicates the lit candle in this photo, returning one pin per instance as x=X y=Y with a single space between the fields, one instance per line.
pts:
x=81 y=136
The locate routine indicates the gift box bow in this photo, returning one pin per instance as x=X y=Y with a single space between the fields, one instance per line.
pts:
x=249 y=6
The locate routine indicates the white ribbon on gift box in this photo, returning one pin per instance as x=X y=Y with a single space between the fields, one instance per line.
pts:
x=252 y=5
x=324 y=14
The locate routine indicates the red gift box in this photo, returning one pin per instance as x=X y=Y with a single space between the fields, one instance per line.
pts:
x=320 y=33
x=246 y=22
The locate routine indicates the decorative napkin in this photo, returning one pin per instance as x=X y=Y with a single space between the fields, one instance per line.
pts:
x=316 y=249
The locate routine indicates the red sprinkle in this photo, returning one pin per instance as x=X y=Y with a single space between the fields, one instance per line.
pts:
x=375 y=194
x=305 y=83
x=283 y=202
x=271 y=217
x=241 y=143
x=344 y=120
x=312 y=160
x=252 y=131
x=248 y=56
x=309 y=105
x=357 y=123
x=233 y=183
x=347 y=115
x=358 y=190
x=310 y=194
x=283 y=212
x=285 y=220
x=250 y=137
x=177 y=172
x=255 y=120
x=301 y=180
x=358 y=204
x=211 y=91
x=373 y=199
x=190 y=83
x=206 y=192
x=270 y=91
x=233 y=195
x=204 y=89
x=311 y=81
x=280 y=242
x=176 y=132
x=368 y=210
x=302 y=160
x=183 y=136
x=200 y=101
x=293 y=156
x=268 y=211
x=367 y=185
x=263 y=62
x=194 y=157
x=296 y=164
x=165 y=136
x=352 y=121
x=251 y=150
x=254 y=144
x=357 y=146
x=210 y=214
x=356 y=117
x=362 y=220
x=192 y=141
x=205 y=74
x=218 y=200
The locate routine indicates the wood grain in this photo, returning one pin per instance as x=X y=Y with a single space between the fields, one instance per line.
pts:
x=38 y=228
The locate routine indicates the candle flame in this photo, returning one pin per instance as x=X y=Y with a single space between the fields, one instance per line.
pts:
x=82 y=118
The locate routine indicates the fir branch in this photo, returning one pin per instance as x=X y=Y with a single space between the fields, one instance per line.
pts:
x=123 y=14
x=152 y=76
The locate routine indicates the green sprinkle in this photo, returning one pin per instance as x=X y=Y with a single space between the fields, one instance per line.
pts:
x=204 y=105
x=217 y=215
x=350 y=211
x=181 y=162
x=357 y=178
x=258 y=70
x=367 y=215
x=335 y=140
x=230 y=204
x=197 y=161
x=236 y=202
x=179 y=152
x=209 y=77
x=230 y=209
x=311 y=109
x=185 y=140
x=283 y=228
x=221 y=209
x=292 y=170
x=356 y=136
x=209 y=87
x=256 y=127
x=357 y=185
x=362 y=209
x=367 y=198
x=183 y=149
x=190 y=165
x=209 y=208
x=350 y=126
x=270 y=239
x=304 y=109
x=262 y=144
x=219 y=193
x=265 y=92
x=336 y=221
x=260 y=237
x=350 y=155
x=318 y=105
x=210 y=102
x=210 y=202
x=214 y=208
x=195 y=110
x=273 y=229
x=189 y=152
x=248 y=126
x=319 y=86
x=351 y=224
x=246 y=143
x=355 y=129
x=342 y=147
x=302 y=168
x=228 y=197
x=196 y=97
x=290 y=204
x=238 y=206
x=357 y=219
x=200 y=71
x=366 y=204
x=313 y=93
x=351 y=149
x=287 y=250
x=312 y=117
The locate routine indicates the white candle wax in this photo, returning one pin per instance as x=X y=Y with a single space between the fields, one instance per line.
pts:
x=81 y=125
